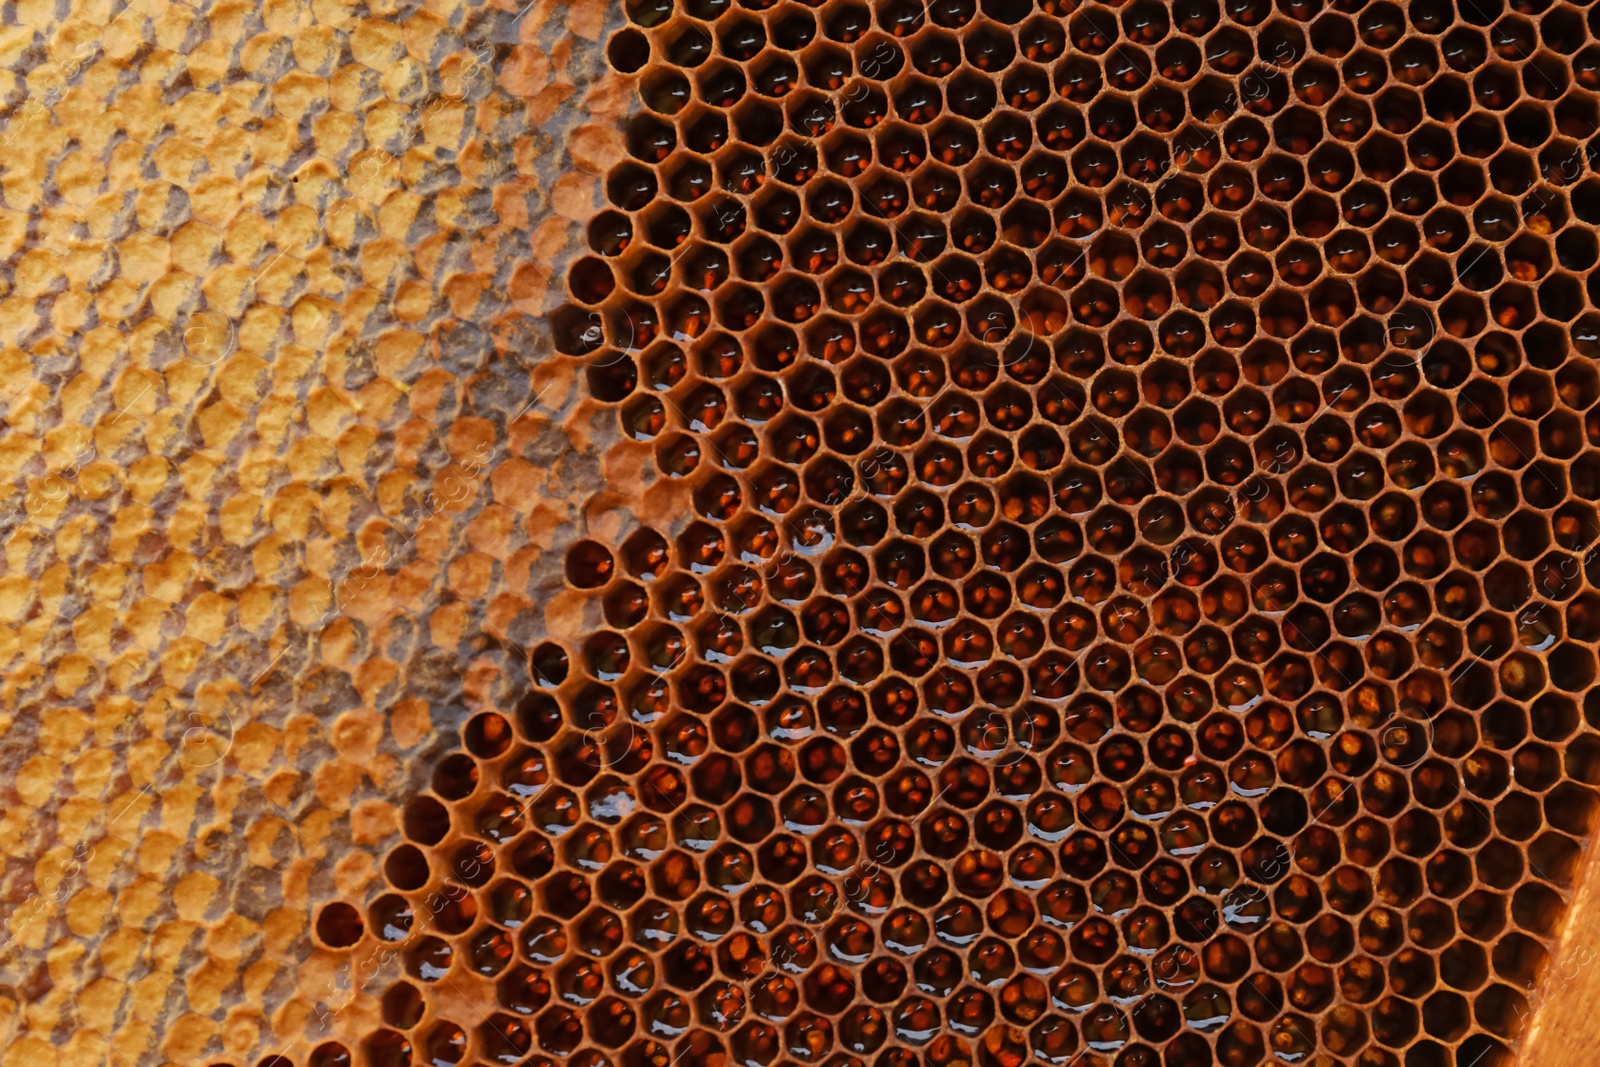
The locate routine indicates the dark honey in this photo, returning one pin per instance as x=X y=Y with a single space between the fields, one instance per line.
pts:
x=1136 y=604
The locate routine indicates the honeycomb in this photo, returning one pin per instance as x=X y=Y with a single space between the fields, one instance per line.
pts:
x=1132 y=601
x=271 y=286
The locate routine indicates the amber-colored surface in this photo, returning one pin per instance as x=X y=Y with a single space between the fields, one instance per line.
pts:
x=284 y=457
x=1115 y=581
x=1135 y=604
x=1562 y=1026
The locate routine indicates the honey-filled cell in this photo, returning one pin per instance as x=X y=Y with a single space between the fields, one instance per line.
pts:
x=1132 y=594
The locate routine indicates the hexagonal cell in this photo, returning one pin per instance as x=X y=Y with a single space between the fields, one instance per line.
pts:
x=1039 y=378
